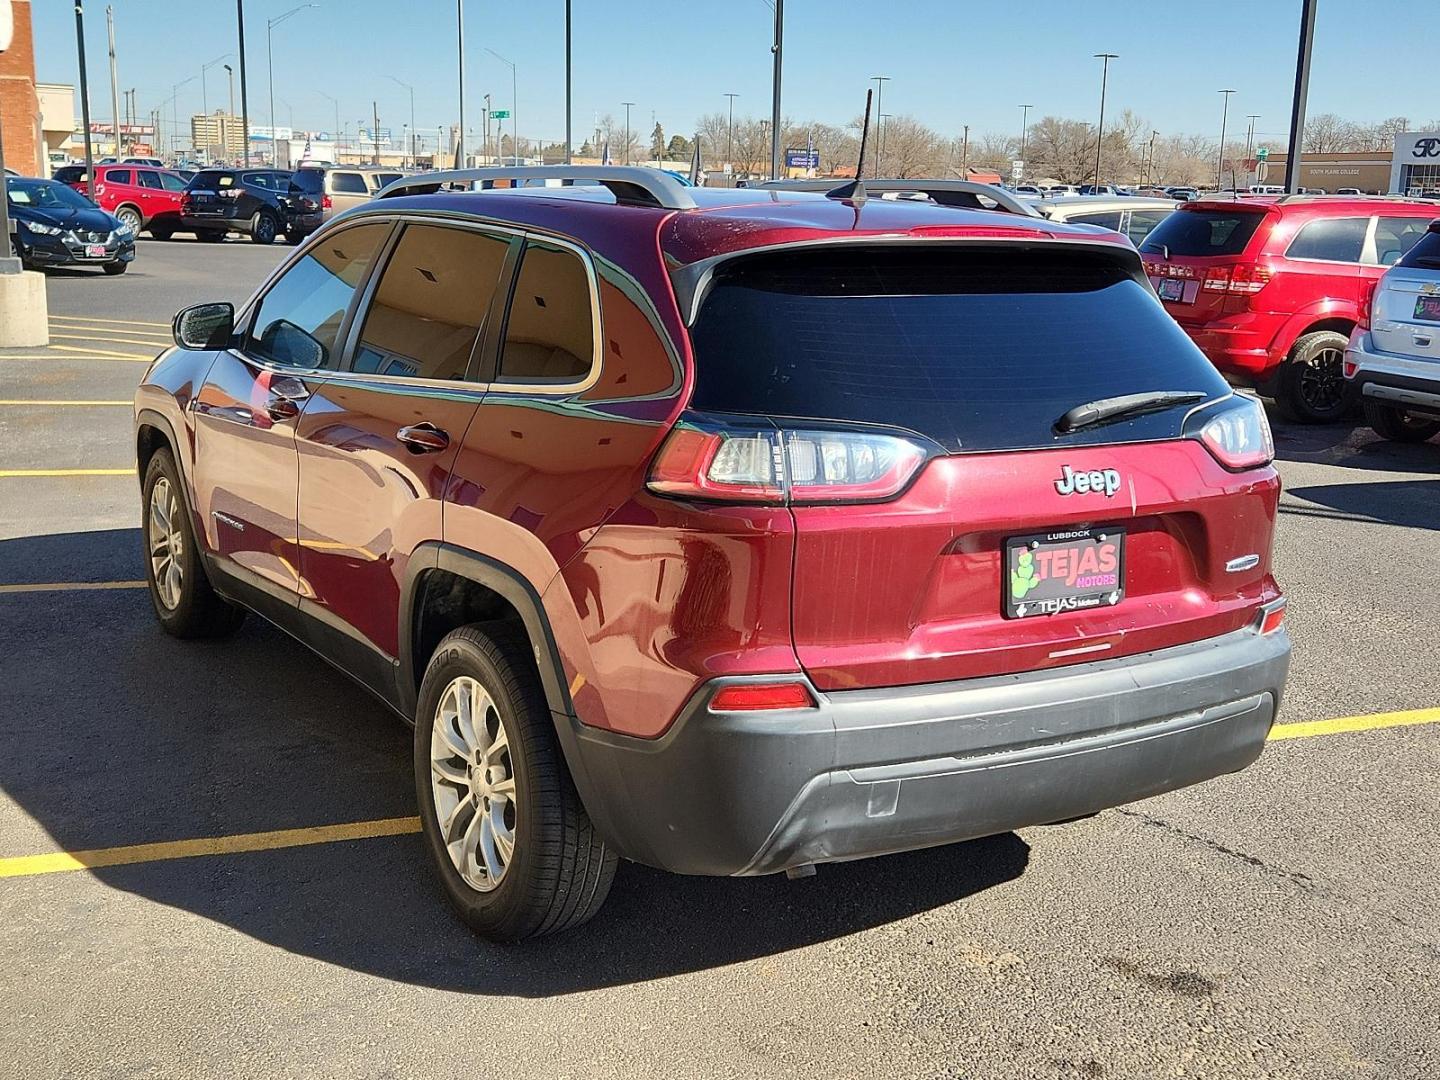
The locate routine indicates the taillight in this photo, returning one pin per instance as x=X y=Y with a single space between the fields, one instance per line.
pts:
x=1244 y=279
x=325 y=203
x=753 y=697
x=1367 y=304
x=748 y=460
x=1238 y=437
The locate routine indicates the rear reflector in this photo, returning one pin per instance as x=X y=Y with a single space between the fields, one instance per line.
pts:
x=752 y=697
x=1272 y=618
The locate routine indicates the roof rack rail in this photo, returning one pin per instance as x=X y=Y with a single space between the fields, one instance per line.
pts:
x=630 y=184
x=962 y=193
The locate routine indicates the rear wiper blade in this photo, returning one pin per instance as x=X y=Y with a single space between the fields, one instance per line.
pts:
x=1097 y=412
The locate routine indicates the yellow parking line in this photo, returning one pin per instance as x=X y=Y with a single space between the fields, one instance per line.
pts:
x=71 y=586
x=67 y=472
x=60 y=861
x=109 y=338
x=88 y=354
x=57 y=402
x=93 y=354
x=1345 y=724
x=103 y=322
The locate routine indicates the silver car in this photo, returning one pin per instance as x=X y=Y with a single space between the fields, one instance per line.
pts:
x=1133 y=215
x=1393 y=359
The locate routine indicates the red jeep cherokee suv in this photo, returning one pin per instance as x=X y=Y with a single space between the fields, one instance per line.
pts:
x=1271 y=287
x=726 y=531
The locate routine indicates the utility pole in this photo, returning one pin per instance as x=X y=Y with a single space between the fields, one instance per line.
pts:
x=486 y=144
x=225 y=139
x=1302 y=93
x=114 y=79
x=244 y=93
x=730 y=134
x=627 y=105
x=1250 y=136
x=375 y=111
x=1150 y=165
x=569 y=96
x=84 y=99
x=1024 y=127
x=1100 y=131
x=775 y=90
x=460 y=54
x=965 y=153
x=1224 y=117
x=879 y=81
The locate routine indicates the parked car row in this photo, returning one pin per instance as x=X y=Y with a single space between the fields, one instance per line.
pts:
x=52 y=225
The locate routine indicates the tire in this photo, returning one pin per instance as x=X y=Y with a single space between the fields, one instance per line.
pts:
x=295 y=237
x=1312 y=382
x=161 y=232
x=1397 y=425
x=264 y=228
x=128 y=215
x=112 y=269
x=189 y=607
x=559 y=871
x=210 y=236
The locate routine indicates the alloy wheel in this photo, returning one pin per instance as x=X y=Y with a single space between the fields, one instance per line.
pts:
x=130 y=218
x=166 y=543
x=472 y=780
x=1322 y=381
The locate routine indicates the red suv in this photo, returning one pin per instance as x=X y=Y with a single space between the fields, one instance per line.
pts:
x=1270 y=288
x=730 y=532
x=141 y=197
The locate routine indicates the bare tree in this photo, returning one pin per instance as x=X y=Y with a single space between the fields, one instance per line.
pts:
x=1329 y=134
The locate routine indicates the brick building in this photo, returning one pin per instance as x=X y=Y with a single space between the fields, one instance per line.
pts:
x=19 y=104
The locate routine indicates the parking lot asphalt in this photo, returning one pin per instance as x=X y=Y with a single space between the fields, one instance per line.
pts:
x=1276 y=923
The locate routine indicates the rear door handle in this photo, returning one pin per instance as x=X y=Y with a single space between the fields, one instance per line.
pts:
x=423 y=438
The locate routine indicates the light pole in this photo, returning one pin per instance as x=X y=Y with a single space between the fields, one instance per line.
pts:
x=225 y=139
x=569 y=96
x=879 y=81
x=485 y=144
x=1224 y=117
x=778 y=50
x=730 y=132
x=1302 y=94
x=205 y=96
x=460 y=54
x=514 y=136
x=1150 y=164
x=1024 y=127
x=244 y=85
x=270 y=25
x=407 y=86
x=174 y=115
x=1105 y=58
x=627 y=105
x=1250 y=134
x=84 y=108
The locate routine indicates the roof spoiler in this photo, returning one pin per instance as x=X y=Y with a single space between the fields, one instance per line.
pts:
x=960 y=193
x=631 y=185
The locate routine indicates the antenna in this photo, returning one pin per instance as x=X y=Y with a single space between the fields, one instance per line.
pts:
x=855 y=192
x=864 y=132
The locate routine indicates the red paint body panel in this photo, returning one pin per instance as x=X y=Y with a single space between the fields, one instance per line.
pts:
x=151 y=202
x=910 y=591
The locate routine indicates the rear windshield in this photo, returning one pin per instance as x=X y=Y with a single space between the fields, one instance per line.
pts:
x=210 y=180
x=1426 y=253
x=308 y=180
x=978 y=349
x=70 y=174
x=1203 y=232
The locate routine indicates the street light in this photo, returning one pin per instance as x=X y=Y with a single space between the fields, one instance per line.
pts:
x=627 y=105
x=407 y=86
x=1224 y=116
x=879 y=81
x=1105 y=58
x=204 y=94
x=730 y=132
x=270 y=25
x=1024 y=127
x=514 y=137
x=174 y=115
x=1250 y=134
x=226 y=138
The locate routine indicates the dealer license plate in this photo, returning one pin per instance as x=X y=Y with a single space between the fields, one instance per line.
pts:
x=1065 y=570
x=94 y=251
x=1427 y=308
x=1171 y=289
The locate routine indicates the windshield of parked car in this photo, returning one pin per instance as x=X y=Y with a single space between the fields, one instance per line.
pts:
x=1204 y=232
x=1426 y=253
x=978 y=349
x=45 y=195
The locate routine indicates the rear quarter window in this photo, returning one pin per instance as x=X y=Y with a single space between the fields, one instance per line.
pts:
x=347 y=183
x=1330 y=240
x=1200 y=233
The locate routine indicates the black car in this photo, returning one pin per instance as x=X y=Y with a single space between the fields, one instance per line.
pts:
x=260 y=203
x=55 y=225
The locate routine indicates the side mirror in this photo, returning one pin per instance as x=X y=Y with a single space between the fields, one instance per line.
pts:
x=205 y=326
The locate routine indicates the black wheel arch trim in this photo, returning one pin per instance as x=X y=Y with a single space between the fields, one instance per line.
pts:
x=514 y=588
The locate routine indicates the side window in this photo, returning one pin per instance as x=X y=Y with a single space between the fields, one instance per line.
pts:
x=432 y=300
x=347 y=183
x=298 y=319
x=549 y=334
x=148 y=179
x=1105 y=221
x=118 y=176
x=1333 y=239
x=171 y=182
x=1395 y=236
x=256 y=179
x=1143 y=222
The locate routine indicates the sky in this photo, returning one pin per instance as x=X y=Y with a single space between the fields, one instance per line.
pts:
x=951 y=63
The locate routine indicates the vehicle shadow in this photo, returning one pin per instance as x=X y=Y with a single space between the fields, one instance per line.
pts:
x=116 y=734
x=1413 y=504
x=1351 y=446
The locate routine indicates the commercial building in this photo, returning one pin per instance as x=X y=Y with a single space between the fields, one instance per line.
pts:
x=1370 y=171
x=57 y=122
x=19 y=103
x=217 y=135
x=1415 y=169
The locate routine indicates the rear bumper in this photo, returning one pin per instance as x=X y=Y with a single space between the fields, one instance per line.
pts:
x=207 y=222
x=1404 y=381
x=1240 y=352
x=871 y=772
